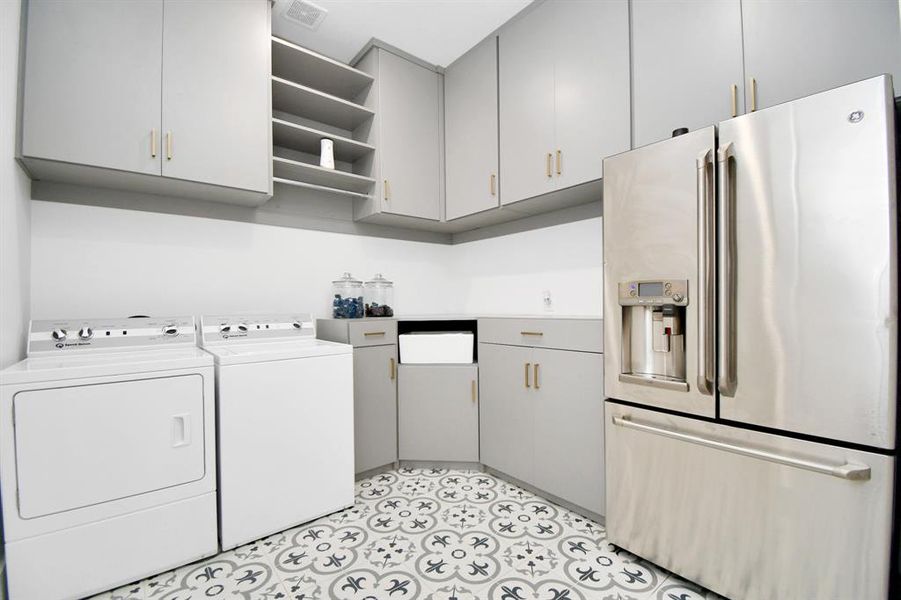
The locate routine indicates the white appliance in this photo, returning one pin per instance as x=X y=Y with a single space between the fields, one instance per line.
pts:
x=107 y=455
x=286 y=422
x=420 y=347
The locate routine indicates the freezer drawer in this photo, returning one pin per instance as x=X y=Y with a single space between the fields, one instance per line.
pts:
x=748 y=514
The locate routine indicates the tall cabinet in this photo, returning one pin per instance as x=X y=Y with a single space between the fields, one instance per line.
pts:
x=564 y=95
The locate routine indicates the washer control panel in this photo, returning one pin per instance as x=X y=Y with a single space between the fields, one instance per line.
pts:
x=249 y=328
x=139 y=333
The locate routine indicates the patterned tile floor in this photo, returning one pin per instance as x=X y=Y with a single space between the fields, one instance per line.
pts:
x=430 y=534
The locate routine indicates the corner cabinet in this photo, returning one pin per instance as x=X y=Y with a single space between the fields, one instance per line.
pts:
x=406 y=134
x=542 y=405
x=158 y=96
x=564 y=95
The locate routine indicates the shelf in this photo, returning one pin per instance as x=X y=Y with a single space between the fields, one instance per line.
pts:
x=318 y=106
x=322 y=188
x=284 y=168
x=306 y=139
x=306 y=67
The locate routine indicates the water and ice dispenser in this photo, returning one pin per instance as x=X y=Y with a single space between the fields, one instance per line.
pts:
x=653 y=345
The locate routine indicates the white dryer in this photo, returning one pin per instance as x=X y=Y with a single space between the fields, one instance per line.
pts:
x=107 y=455
x=285 y=423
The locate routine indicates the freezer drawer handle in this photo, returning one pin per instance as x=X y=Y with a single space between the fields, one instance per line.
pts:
x=851 y=471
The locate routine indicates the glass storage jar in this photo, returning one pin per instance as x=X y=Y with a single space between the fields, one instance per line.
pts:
x=379 y=295
x=347 y=298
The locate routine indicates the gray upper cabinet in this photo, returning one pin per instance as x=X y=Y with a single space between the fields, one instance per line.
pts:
x=591 y=85
x=216 y=93
x=564 y=95
x=687 y=56
x=92 y=84
x=470 y=123
x=526 y=89
x=795 y=48
x=156 y=96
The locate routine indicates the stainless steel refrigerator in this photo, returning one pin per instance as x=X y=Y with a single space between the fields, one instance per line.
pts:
x=751 y=331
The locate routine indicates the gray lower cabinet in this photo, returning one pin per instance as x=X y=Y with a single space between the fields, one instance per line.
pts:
x=375 y=406
x=438 y=412
x=794 y=49
x=686 y=58
x=542 y=419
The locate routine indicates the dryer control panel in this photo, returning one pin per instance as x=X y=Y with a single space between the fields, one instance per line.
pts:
x=250 y=328
x=137 y=333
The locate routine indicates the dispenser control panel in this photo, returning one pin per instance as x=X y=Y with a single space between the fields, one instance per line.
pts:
x=654 y=292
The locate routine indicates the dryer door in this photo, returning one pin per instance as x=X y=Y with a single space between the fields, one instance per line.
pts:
x=83 y=445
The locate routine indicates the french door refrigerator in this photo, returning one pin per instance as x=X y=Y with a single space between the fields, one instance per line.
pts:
x=751 y=330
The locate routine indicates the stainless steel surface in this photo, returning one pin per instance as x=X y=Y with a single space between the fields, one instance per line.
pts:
x=725 y=161
x=657 y=382
x=742 y=526
x=846 y=470
x=651 y=234
x=706 y=272
x=816 y=274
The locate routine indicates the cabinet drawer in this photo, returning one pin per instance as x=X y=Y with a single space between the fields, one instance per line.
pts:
x=585 y=335
x=372 y=333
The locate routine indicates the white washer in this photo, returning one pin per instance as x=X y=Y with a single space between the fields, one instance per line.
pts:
x=285 y=423
x=107 y=455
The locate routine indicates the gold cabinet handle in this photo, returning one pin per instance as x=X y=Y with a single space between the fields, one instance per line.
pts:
x=473 y=390
x=492 y=184
x=734 y=100
x=369 y=333
x=537 y=385
x=547 y=166
x=559 y=162
x=527 y=365
x=387 y=191
x=153 y=143
x=392 y=370
x=168 y=145
x=531 y=333
x=753 y=94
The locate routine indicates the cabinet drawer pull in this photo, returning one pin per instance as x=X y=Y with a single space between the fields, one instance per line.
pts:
x=531 y=333
x=492 y=186
x=559 y=162
x=369 y=333
x=547 y=165
x=168 y=145
x=473 y=390
x=153 y=143
x=753 y=94
x=392 y=370
x=387 y=191
x=537 y=385
x=734 y=100
x=527 y=365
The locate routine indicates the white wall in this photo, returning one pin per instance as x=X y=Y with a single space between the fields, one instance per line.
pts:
x=15 y=203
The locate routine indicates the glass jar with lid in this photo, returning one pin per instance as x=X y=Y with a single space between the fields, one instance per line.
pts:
x=347 y=298
x=379 y=294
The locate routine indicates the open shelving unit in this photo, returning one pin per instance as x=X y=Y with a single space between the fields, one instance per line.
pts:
x=313 y=97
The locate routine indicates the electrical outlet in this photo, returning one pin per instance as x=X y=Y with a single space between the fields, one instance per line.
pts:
x=546 y=300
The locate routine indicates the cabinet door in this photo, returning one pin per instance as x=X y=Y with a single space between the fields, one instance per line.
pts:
x=470 y=131
x=375 y=407
x=796 y=48
x=408 y=110
x=591 y=83
x=92 y=83
x=506 y=405
x=569 y=426
x=526 y=88
x=438 y=412
x=216 y=103
x=686 y=56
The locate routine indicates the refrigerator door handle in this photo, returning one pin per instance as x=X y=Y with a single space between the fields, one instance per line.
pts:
x=706 y=276
x=848 y=470
x=727 y=265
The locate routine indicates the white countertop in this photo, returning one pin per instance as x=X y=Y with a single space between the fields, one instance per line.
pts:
x=473 y=317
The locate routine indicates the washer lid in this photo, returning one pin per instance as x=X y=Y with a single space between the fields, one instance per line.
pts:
x=78 y=365
x=286 y=350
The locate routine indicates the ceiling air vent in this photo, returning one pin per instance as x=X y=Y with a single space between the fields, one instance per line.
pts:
x=305 y=13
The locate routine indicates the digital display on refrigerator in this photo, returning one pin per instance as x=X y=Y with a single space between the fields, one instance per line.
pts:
x=650 y=289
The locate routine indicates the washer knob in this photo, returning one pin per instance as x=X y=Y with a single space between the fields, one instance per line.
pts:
x=170 y=329
x=677 y=297
x=85 y=333
x=241 y=327
x=297 y=325
x=58 y=334
x=225 y=329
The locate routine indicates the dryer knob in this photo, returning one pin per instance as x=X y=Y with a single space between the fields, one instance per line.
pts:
x=170 y=329
x=58 y=334
x=297 y=325
x=85 y=333
x=225 y=329
x=242 y=327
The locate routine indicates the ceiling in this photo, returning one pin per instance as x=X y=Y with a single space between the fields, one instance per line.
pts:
x=437 y=31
